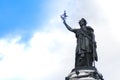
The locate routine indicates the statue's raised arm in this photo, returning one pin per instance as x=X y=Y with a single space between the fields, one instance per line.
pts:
x=63 y=17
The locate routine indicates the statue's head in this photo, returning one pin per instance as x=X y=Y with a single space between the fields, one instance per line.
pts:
x=82 y=22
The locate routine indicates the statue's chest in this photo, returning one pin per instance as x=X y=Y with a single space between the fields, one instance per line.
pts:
x=80 y=33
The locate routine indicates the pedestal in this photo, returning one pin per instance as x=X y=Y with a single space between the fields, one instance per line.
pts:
x=84 y=73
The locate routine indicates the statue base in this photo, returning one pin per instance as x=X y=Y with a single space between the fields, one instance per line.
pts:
x=84 y=73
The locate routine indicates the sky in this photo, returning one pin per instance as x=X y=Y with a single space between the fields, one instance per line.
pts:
x=35 y=45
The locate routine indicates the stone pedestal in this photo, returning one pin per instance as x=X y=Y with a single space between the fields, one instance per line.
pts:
x=84 y=73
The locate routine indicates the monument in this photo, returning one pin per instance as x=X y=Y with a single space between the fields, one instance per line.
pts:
x=86 y=54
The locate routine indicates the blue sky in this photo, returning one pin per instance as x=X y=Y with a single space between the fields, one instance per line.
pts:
x=21 y=17
x=35 y=45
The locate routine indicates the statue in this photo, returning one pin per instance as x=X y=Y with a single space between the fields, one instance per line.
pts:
x=86 y=45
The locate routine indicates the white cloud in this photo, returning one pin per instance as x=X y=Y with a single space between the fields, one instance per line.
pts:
x=46 y=54
x=111 y=11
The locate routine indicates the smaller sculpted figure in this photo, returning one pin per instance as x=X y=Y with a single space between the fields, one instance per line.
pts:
x=86 y=45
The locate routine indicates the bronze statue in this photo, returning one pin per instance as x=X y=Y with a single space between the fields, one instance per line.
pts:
x=86 y=45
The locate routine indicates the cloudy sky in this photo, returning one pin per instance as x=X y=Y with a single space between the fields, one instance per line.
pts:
x=35 y=45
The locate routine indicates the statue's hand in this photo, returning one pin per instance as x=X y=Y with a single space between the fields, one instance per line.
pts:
x=63 y=17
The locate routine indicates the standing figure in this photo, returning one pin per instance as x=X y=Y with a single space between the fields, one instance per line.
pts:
x=86 y=45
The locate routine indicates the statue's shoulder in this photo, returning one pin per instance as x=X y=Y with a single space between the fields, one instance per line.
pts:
x=90 y=28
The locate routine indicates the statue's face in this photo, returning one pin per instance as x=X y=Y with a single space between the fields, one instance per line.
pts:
x=82 y=22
